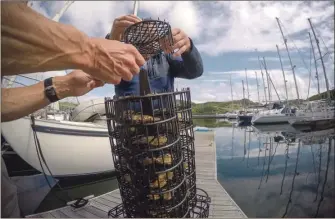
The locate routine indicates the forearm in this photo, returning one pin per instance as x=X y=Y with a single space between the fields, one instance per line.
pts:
x=33 y=43
x=193 y=63
x=22 y=101
x=189 y=66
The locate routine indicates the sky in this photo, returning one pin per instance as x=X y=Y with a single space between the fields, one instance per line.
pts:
x=230 y=36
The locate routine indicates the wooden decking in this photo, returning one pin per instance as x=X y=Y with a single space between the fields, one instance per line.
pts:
x=222 y=205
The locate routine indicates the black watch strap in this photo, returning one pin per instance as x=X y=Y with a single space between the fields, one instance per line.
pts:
x=49 y=90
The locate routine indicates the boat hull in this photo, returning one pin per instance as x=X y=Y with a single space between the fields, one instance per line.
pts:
x=245 y=119
x=69 y=148
x=271 y=119
x=313 y=118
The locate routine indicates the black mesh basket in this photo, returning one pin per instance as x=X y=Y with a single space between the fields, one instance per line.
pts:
x=200 y=208
x=149 y=36
x=185 y=122
x=148 y=156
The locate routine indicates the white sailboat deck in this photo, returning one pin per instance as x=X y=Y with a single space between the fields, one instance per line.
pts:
x=222 y=205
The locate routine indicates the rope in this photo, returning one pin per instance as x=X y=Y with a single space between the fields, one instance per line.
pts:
x=80 y=202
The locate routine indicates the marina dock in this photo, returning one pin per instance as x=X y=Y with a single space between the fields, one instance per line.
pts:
x=222 y=205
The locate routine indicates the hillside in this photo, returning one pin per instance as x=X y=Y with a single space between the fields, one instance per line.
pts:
x=323 y=95
x=66 y=105
x=220 y=107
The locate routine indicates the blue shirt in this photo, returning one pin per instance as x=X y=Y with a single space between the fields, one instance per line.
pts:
x=165 y=68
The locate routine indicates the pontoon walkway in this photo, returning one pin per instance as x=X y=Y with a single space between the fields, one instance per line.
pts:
x=222 y=205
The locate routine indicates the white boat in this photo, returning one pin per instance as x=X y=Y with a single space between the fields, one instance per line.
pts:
x=70 y=148
x=86 y=111
x=278 y=114
x=231 y=115
x=315 y=112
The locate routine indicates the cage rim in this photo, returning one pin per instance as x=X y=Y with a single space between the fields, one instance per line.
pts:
x=149 y=21
x=135 y=97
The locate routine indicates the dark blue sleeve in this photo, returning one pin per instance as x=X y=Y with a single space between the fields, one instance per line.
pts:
x=188 y=66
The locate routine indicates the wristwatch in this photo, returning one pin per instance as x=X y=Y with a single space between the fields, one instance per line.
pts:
x=49 y=90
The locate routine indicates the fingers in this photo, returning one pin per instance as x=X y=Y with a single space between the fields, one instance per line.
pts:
x=175 y=31
x=130 y=18
x=165 y=45
x=139 y=60
x=125 y=23
x=180 y=51
x=179 y=44
x=94 y=83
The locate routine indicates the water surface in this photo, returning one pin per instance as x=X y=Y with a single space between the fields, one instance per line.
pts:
x=277 y=173
x=270 y=171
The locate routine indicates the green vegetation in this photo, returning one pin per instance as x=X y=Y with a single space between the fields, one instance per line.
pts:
x=323 y=95
x=66 y=105
x=220 y=107
x=211 y=123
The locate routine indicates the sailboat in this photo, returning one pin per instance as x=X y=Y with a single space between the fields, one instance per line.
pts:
x=246 y=116
x=279 y=112
x=232 y=114
x=316 y=112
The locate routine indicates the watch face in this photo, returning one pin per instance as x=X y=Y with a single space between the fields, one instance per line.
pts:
x=51 y=93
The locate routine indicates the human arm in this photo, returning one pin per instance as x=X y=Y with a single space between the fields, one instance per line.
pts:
x=33 y=43
x=22 y=101
x=186 y=62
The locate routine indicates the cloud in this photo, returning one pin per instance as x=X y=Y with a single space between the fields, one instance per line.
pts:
x=229 y=28
x=253 y=25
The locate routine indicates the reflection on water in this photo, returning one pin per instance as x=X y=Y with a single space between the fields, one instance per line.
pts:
x=278 y=171
x=213 y=123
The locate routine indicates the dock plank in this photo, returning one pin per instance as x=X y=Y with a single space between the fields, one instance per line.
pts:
x=222 y=205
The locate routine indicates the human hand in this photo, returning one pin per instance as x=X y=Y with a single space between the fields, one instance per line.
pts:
x=181 y=43
x=120 y=24
x=76 y=83
x=113 y=61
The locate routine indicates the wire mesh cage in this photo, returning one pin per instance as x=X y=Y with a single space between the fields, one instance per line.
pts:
x=148 y=155
x=200 y=208
x=150 y=37
x=185 y=122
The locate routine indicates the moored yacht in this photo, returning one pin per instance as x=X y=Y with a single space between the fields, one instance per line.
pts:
x=278 y=113
x=314 y=112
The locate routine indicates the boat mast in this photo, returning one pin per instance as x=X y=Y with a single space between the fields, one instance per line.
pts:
x=282 y=68
x=260 y=66
x=243 y=96
x=136 y=3
x=269 y=78
x=67 y=4
x=315 y=64
x=246 y=79
x=259 y=101
x=231 y=91
x=323 y=64
x=289 y=57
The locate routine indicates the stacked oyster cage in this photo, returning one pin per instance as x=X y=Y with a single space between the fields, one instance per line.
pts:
x=152 y=142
